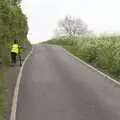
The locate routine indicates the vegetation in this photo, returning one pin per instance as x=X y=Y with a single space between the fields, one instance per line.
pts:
x=13 y=25
x=72 y=26
x=102 y=52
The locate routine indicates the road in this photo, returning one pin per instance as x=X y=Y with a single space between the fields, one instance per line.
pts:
x=55 y=86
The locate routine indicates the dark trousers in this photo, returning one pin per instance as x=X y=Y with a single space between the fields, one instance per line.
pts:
x=13 y=57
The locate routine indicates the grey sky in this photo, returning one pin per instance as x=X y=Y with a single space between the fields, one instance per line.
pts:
x=100 y=15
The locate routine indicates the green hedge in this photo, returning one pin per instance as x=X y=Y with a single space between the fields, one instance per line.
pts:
x=102 y=52
x=13 y=25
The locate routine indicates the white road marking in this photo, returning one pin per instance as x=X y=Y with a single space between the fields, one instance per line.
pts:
x=101 y=73
x=16 y=91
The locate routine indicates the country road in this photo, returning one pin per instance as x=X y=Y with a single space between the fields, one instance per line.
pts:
x=55 y=86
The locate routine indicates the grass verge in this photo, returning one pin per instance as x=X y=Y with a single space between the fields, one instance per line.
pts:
x=3 y=94
x=3 y=89
x=75 y=51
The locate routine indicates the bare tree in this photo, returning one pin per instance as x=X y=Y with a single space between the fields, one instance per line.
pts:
x=72 y=27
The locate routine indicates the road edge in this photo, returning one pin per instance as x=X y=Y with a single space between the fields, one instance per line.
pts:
x=91 y=67
x=16 y=91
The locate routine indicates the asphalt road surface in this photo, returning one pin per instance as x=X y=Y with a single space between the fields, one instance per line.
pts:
x=55 y=86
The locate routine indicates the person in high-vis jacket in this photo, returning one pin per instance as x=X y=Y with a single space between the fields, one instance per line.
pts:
x=14 y=51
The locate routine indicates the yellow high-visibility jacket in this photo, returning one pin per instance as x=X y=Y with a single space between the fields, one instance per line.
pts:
x=15 y=48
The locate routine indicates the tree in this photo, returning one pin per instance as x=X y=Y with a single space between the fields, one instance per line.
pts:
x=71 y=27
x=13 y=25
x=14 y=2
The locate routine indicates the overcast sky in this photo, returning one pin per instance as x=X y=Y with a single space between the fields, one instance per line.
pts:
x=43 y=15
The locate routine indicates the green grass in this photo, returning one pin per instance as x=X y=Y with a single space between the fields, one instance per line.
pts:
x=75 y=51
x=3 y=94
x=13 y=25
x=3 y=90
x=101 y=52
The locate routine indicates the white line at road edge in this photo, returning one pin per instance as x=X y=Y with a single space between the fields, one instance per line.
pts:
x=101 y=73
x=16 y=91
